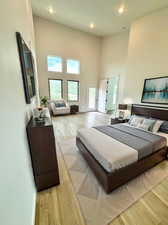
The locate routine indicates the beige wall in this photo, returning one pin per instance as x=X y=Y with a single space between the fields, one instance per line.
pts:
x=114 y=52
x=55 y=39
x=141 y=53
x=17 y=191
x=135 y=55
x=147 y=54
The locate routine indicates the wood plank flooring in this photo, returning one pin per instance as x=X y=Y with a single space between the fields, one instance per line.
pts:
x=59 y=206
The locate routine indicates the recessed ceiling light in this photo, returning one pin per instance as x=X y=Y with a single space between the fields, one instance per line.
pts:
x=92 y=25
x=121 y=10
x=51 y=11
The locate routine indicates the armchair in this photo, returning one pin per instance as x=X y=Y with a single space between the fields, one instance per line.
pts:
x=59 y=107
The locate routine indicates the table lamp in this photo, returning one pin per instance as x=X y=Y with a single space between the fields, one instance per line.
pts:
x=122 y=108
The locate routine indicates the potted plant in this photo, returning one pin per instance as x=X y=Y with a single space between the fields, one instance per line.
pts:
x=44 y=101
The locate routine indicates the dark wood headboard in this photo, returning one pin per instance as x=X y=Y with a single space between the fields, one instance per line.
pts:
x=150 y=111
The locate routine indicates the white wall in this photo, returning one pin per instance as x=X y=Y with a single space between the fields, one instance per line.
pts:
x=114 y=52
x=17 y=191
x=147 y=53
x=141 y=53
x=56 y=39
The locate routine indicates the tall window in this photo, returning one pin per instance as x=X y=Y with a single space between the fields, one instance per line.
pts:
x=55 y=88
x=54 y=64
x=92 y=98
x=73 y=90
x=73 y=66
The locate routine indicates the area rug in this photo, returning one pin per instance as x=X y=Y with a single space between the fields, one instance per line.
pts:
x=98 y=208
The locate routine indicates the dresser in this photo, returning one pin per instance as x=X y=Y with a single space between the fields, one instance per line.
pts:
x=43 y=153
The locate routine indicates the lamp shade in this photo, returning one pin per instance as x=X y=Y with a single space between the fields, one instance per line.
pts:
x=122 y=106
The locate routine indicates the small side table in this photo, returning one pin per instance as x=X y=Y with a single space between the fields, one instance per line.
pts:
x=74 y=109
x=117 y=120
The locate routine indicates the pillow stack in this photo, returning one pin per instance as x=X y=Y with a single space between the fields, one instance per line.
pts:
x=151 y=124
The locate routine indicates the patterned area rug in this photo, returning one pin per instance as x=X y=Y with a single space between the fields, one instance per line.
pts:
x=99 y=208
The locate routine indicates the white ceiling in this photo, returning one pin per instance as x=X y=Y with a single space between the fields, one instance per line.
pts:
x=104 y=13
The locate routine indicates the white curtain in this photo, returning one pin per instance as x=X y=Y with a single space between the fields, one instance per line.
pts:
x=112 y=94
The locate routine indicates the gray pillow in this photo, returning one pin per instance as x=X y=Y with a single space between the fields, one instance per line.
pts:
x=164 y=127
x=147 y=124
x=60 y=104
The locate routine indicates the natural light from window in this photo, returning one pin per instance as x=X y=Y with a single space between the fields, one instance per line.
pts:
x=55 y=87
x=73 y=90
x=73 y=66
x=92 y=98
x=54 y=63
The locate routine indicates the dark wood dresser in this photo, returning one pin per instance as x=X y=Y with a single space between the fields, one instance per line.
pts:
x=43 y=154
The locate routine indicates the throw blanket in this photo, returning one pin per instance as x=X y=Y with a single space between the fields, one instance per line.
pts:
x=143 y=141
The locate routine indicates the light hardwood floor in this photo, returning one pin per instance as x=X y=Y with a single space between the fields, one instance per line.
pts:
x=59 y=206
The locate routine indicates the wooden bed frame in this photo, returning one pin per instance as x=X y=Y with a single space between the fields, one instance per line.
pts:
x=112 y=180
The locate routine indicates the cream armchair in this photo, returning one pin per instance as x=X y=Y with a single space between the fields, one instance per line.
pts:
x=59 y=107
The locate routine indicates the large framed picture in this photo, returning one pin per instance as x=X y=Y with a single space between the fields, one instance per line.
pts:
x=27 y=67
x=155 y=91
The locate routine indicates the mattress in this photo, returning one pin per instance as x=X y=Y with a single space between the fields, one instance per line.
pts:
x=163 y=135
x=109 y=152
x=100 y=146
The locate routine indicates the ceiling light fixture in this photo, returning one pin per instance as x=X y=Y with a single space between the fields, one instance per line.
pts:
x=51 y=11
x=121 y=10
x=92 y=25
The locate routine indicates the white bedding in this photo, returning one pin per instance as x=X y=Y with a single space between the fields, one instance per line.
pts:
x=111 y=153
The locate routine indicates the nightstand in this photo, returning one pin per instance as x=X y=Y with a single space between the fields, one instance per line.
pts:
x=117 y=120
x=74 y=109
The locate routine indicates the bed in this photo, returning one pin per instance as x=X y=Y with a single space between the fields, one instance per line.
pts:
x=117 y=172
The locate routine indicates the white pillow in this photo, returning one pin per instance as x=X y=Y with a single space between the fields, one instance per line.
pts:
x=136 y=121
x=157 y=125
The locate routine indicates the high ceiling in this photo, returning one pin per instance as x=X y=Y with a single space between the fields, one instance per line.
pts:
x=103 y=13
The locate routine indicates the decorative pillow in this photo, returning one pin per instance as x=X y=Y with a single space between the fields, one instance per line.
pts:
x=157 y=125
x=131 y=118
x=135 y=121
x=60 y=104
x=147 y=124
x=135 y=116
x=164 y=127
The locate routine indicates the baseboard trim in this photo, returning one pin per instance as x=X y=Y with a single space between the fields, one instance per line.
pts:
x=34 y=209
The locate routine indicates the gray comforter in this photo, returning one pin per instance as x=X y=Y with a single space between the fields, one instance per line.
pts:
x=144 y=142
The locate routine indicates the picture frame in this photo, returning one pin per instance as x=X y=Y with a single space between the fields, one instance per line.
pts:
x=27 y=68
x=155 y=91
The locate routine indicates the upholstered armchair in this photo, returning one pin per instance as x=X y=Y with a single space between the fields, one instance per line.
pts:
x=59 y=107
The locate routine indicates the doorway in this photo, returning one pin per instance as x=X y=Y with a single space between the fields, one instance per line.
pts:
x=92 y=98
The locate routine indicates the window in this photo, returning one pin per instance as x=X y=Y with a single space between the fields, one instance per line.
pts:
x=73 y=66
x=55 y=89
x=73 y=90
x=92 y=98
x=54 y=63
